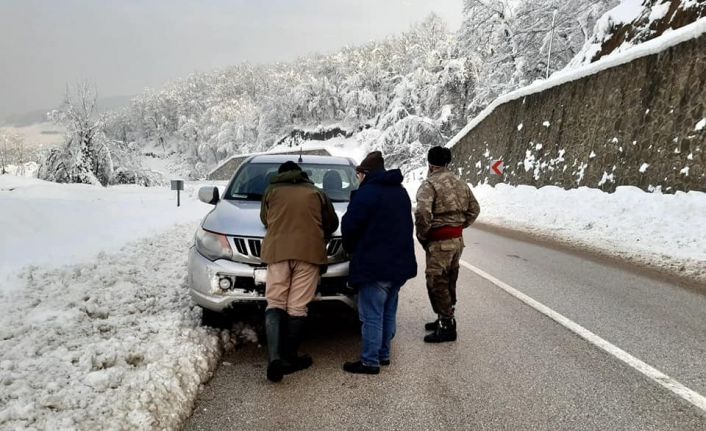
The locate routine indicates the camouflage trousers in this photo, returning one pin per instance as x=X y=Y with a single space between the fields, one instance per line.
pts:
x=442 y=274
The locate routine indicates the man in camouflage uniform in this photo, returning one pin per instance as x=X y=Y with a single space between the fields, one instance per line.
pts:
x=445 y=206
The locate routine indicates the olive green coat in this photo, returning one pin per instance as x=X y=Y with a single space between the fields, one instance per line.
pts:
x=299 y=218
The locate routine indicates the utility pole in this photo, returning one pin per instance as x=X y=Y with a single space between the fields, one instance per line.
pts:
x=551 y=39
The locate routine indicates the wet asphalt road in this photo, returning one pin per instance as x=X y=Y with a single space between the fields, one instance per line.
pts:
x=511 y=368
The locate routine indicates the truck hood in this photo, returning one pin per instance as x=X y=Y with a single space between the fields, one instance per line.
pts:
x=242 y=218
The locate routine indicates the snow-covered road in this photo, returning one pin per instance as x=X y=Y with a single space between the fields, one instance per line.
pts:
x=96 y=325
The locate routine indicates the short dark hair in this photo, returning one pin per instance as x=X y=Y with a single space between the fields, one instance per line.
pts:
x=288 y=166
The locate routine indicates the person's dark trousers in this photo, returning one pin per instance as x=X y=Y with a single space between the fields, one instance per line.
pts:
x=275 y=319
x=377 y=307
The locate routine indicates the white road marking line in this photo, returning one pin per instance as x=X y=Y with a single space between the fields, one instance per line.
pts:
x=652 y=373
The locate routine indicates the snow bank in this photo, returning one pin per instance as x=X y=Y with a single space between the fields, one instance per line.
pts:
x=661 y=230
x=46 y=223
x=650 y=47
x=114 y=341
x=113 y=344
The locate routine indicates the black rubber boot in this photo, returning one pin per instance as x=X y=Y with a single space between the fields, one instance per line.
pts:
x=290 y=354
x=274 y=320
x=446 y=331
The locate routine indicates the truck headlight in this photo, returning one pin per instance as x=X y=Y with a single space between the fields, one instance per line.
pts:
x=213 y=246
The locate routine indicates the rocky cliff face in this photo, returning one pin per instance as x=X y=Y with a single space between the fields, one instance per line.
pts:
x=636 y=21
x=642 y=124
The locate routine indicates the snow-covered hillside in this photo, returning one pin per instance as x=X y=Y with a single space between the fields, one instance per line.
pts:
x=633 y=22
x=403 y=94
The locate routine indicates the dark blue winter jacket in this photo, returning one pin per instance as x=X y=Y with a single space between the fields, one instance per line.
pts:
x=377 y=230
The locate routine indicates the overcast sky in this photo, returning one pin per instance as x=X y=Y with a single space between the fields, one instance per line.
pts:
x=124 y=46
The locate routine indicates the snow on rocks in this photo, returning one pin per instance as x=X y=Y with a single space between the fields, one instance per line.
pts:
x=700 y=125
x=111 y=344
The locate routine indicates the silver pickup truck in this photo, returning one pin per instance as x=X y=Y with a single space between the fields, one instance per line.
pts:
x=224 y=262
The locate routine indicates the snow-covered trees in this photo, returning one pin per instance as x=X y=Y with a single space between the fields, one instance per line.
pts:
x=97 y=149
x=415 y=89
x=85 y=156
x=12 y=151
x=510 y=40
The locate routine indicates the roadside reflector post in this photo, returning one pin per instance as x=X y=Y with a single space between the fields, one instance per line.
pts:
x=178 y=185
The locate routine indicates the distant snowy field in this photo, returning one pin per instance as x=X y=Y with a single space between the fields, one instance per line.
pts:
x=661 y=230
x=39 y=135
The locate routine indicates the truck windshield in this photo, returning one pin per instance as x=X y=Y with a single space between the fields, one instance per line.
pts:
x=337 y=181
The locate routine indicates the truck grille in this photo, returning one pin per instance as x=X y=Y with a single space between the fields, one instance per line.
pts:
x=253 y=246
x=240 y=246
x=333 y=246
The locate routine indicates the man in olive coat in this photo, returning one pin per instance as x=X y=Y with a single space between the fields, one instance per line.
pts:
x=298 y=217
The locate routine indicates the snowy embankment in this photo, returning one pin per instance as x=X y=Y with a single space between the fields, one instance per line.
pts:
x=45 y=223
x=112 y=342
x=663 y=231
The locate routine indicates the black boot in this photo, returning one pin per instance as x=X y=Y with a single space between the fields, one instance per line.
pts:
x=274 y=319
x=446 y=331
x=431 y=326
x=295 y=334
x=357 y=367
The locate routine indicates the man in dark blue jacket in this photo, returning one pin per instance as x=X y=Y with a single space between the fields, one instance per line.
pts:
x=377 y=230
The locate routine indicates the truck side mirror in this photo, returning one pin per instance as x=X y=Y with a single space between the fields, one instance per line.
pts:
x=209 y=195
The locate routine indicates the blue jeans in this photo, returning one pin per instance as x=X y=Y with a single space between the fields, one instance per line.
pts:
x=377 y=307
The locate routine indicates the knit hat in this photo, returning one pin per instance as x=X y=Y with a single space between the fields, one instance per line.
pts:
x=371 y=163
x=288 y=166
x=439 y=156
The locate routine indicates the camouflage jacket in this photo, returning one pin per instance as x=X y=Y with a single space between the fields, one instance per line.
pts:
x=443 y=199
